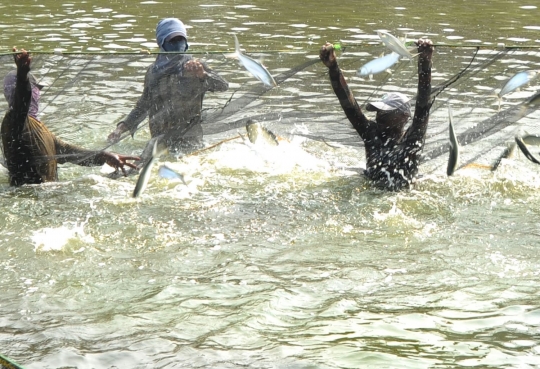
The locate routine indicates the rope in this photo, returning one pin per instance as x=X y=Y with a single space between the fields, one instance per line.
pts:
x=499 y=46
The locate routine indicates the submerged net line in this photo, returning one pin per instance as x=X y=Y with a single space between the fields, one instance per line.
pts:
x=91 y=92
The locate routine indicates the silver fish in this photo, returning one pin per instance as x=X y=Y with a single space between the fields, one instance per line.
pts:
x=254 y=67
x=144 y=176
x=257 y=134
x=523 y=147
x=518 y=80
x=453 y=158
x=378 y=65
x=394 y=44
x=533 y=140
x=168 y=173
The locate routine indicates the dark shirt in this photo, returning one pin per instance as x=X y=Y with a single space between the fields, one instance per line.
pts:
x=31 y=151
x=173 y=101
x=391 y=163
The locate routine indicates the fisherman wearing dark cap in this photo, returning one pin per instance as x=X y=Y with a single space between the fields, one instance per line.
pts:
x=174 y=89
x=392 y=153
x=31 y=151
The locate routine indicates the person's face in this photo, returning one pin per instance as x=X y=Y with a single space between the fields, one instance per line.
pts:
x=394 y=120
x=177 y=43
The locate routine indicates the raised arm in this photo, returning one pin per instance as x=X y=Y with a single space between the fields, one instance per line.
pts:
x=417 y=131
x=341 y=89
x=21 y=100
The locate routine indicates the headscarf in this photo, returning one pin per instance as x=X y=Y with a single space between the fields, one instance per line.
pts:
x=10 y=82
x=167 y=29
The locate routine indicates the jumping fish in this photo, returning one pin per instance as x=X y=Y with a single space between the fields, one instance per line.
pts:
x=144 y=177
x=168 y=173
x=378 y=65
x=453 y=159
x=533 y=140
x=254 y=67
x=523 y=147
x=394 y=44
x=257 y=133
x=518 y=80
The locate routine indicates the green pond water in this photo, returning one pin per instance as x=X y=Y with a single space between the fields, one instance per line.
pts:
x=272 y=259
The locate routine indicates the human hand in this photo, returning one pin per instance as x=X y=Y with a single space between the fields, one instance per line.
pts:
x=118 y=161
x=425 y=45
x=195 y=68
x=22 y=59
x=114 y=137
x=327 y=55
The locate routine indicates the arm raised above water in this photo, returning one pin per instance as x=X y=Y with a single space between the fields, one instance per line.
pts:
x=416 y=133
x=341 y=89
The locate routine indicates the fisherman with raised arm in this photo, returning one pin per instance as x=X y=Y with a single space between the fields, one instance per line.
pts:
x=172 y=99
x=31 y=151
x=392 y=153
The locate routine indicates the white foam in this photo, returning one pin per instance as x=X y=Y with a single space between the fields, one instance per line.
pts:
x=56 y=239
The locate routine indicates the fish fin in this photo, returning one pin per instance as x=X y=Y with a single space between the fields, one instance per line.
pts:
x=237 y=51
x=389 y=71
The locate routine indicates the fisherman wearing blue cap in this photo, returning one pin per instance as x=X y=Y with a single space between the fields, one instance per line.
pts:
x=174 y=89
x=31 y=151
x=392 y=153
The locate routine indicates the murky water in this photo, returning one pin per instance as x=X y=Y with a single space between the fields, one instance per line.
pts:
x=273 y=258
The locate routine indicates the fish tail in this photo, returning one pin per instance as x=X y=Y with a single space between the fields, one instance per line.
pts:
x=236 y=45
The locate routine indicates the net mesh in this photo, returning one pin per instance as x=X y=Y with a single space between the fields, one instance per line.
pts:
x=86 y=94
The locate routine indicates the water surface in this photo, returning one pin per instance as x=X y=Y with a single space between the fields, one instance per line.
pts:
x=273 y=259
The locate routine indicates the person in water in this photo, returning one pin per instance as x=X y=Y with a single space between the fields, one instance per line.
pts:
x=392 y=153
x=30 y=150
x=172 y=98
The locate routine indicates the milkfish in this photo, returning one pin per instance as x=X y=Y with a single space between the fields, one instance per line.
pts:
x=259 y=134
x=254 y=67
x=518 y=80
x=378 y=65
x=168 y=173
x=144 y=176
x=523 y=147
x=533 y=140
x=453 y=158
x=394 y=44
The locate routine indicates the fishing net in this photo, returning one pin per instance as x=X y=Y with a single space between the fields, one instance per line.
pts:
x=85 y=95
